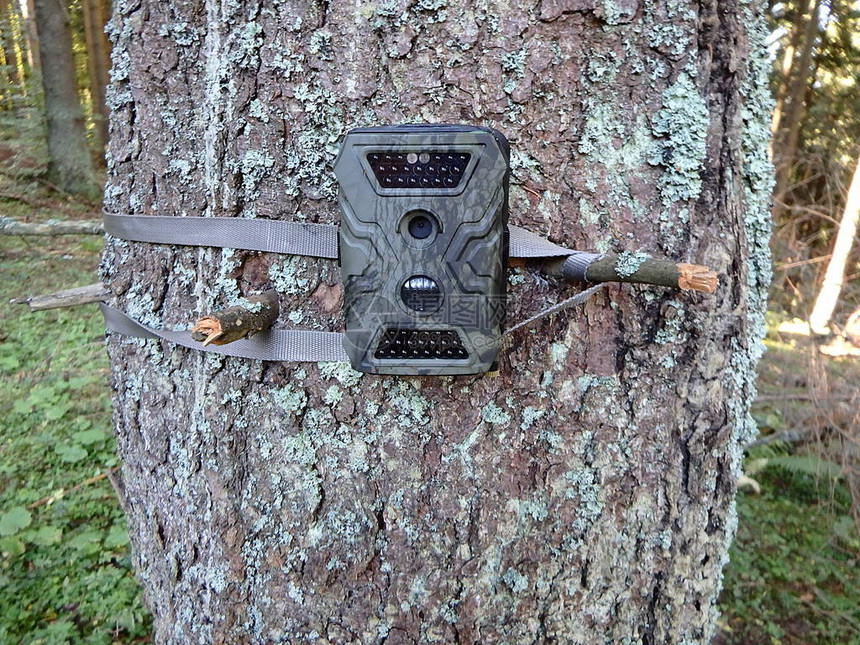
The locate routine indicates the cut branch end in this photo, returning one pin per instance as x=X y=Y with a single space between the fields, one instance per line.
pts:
x=207 y=330
x=235 y=323
x=697 y=278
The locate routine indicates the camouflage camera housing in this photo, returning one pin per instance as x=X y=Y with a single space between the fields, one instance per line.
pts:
x=423 y=247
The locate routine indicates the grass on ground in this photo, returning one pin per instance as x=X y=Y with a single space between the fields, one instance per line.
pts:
x=65 y=571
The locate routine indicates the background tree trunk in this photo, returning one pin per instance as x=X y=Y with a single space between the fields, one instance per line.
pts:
x=12 y=69
x=71 y=167
x=788 y=128
x=28 y=12
x=825 y=303
x=584 y=495
x=96 y=13
x=794 y=39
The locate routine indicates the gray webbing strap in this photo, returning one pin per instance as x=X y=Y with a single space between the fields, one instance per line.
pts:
x=273 y=236
x=575 y=266
x=291 y=345
x=525 y=244
x=274 y=345
x=294 y=238
x=564 y=304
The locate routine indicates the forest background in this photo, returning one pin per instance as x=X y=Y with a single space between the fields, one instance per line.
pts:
x=65 y=574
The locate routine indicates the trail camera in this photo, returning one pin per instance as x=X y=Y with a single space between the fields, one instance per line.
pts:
x=423 y=247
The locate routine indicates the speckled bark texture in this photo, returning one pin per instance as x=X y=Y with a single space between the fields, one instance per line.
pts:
x=585 y=495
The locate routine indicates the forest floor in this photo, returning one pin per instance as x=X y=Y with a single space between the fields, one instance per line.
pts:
x=794 y=573
x=65 y=571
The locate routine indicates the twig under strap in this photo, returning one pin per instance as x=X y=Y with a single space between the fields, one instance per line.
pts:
x=289 y=345
x=238 y=322
x=635 y=268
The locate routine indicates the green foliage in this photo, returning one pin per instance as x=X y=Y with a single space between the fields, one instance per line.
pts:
x=807 y=465
x=792 y=578
x=14 y=520
x=65 y=571
x=781 y=456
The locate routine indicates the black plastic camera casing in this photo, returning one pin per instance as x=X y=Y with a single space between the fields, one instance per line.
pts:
x=423 y=247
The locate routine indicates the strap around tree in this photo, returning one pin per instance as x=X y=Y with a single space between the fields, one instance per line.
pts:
x=293 y=238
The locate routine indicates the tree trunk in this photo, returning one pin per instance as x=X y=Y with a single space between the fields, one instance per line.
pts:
x=28 y=12
x=793 y=40
x=12 y=74
x=70 y=167
x=825 y=303
x=788 y=135
x=96 y=14
x=586 y=493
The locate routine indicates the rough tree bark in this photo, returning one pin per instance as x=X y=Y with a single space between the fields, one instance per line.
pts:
x=71 y=167
x=585 y=495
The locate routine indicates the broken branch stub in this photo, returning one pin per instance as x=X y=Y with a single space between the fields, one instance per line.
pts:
x=646 y=270
x=235 y=323
x=697 y=278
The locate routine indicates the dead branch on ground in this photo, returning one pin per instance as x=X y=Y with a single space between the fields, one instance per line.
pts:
x=9 y=226
x=67 y=298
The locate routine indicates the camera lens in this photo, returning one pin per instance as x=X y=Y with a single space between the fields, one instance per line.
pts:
x=421 y=293
x=420 y=227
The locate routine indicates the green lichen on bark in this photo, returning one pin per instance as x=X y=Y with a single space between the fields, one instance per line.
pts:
x=615 y=151
x=757 y=183
x=495 y=415
x=681 y=126
x=629 y=262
